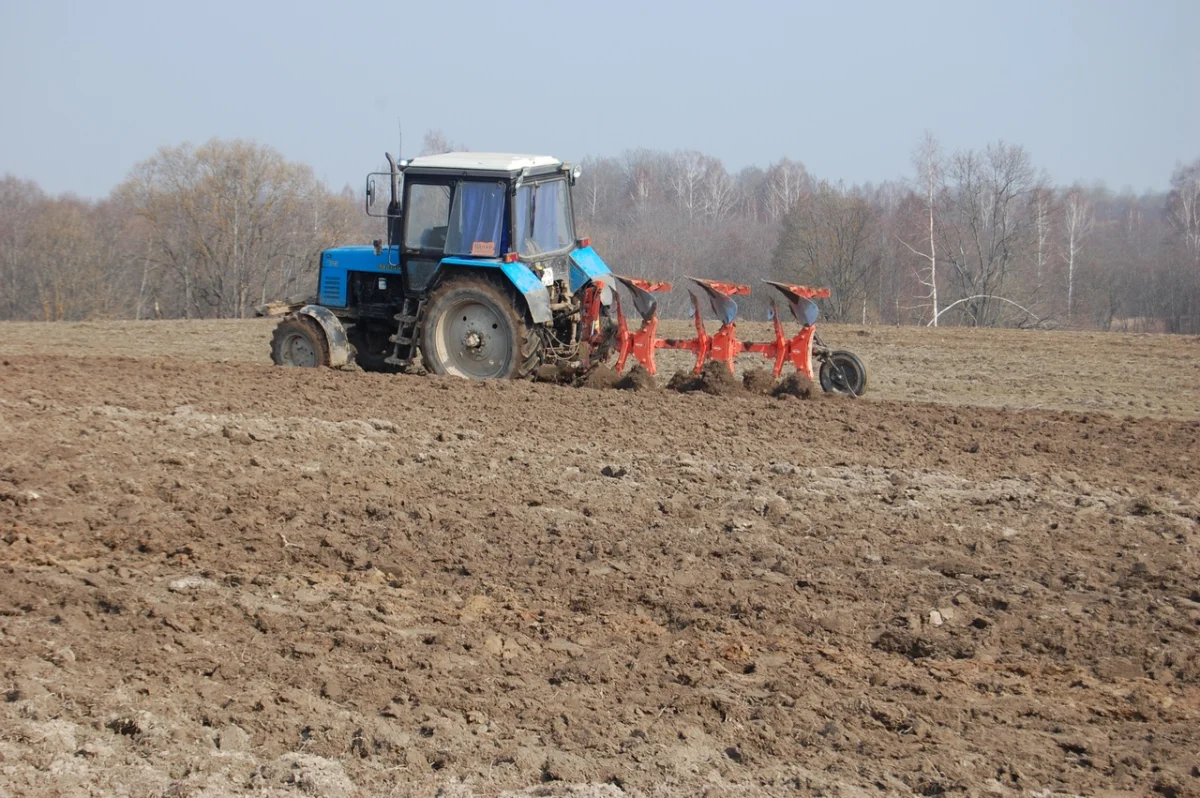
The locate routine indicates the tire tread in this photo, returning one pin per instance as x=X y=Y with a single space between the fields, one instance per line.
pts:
x=294 y=322
x=529 y=350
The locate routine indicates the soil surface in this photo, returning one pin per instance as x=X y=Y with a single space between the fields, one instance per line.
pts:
x=218 y=577
x=1136 y=374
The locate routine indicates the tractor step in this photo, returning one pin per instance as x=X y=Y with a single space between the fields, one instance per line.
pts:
x=408 y=332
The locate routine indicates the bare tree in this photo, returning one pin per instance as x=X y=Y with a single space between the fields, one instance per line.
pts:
x=928 y=161
x=1183 y=207
x=686 y=177
x=1078 y=217
x=721 y=195
x=785 y=181
x=988 y=220
x=749 y=186
x=1043 y=204
x=1182 y=276
x=435 y=142
x=598 y=188
x=828 y=239
x=233 y=221
x=20 y=201
x=644 y=171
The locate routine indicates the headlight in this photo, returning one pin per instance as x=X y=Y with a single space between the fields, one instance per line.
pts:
x=548 y=277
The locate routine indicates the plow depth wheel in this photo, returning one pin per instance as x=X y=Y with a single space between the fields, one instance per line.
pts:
x=478 y=330
x=843 y=372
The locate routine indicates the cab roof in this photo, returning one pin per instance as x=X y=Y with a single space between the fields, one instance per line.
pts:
x=483 y=162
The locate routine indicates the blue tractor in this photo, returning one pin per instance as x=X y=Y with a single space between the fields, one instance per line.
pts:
x=481 y=276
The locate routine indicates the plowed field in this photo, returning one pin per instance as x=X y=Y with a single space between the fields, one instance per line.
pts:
x=218 y=577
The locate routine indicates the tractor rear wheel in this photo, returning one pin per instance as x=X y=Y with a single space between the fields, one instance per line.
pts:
x=299 y=342
x=843 y=372
x=480 y=330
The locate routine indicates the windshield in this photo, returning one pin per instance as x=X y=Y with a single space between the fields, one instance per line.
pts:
x=543 y=221
x=477 y=220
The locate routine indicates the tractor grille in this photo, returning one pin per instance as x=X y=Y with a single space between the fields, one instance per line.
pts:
x=331 y=289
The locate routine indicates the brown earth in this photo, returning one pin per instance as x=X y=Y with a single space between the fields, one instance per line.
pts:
x=759 y=381
x=219 y=577
x=1137 y=374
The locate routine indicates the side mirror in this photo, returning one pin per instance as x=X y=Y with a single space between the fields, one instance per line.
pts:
x=376 y=198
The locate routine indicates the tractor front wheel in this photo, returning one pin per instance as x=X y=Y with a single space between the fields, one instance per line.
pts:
x=299 y=342
x=477 y=329
x=843 y=372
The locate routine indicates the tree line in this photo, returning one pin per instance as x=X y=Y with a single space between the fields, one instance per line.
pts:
x=193 y=232
x=975 y=237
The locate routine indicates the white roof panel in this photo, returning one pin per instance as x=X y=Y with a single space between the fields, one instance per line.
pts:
x=489 y=161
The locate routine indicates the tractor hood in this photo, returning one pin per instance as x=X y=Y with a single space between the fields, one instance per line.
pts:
x=361 y=258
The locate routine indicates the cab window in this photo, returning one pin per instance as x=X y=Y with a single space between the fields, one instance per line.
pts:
x=543 y=218
x=426 y=216
x=477 y=220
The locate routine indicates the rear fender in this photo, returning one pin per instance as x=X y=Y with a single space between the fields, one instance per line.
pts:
x=587 y=266
x=537 y=298
x=335 y=333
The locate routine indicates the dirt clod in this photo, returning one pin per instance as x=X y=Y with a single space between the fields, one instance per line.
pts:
x=715 y=379
x=796 y=385
x=601 y=378
x=718 y=380
x=552 y=373
x=683 y=381
x=638 y=379
x=758 y=381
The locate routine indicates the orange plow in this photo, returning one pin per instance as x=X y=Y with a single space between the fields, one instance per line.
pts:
x=839 y=371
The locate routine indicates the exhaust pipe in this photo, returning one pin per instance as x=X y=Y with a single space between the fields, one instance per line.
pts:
x=395 y=180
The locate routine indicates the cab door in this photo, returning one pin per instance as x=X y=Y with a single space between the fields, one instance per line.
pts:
x=426 y=220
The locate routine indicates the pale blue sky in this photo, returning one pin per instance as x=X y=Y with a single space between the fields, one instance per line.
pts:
x=1097 y=91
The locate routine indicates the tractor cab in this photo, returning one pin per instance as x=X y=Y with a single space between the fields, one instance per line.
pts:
x=469 y=205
